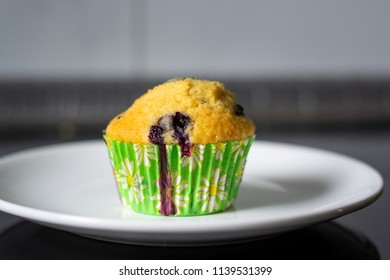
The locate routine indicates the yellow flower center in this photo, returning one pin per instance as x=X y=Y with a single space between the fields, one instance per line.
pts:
x=129 y=180
x=240 y=143
x=213 y=189
x=240 y=171
x=219 y=146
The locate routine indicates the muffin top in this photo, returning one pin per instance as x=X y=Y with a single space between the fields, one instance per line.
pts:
x=180 y=111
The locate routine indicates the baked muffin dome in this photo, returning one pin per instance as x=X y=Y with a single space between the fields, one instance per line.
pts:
x=199 y=110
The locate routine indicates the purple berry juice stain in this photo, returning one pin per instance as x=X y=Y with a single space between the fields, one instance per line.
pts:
x=177 y=124
x=167 y=207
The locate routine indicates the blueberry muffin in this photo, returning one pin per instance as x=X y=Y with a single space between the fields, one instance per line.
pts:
x=180 y=149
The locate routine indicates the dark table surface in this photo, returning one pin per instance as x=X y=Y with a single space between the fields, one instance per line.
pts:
x=364 y=234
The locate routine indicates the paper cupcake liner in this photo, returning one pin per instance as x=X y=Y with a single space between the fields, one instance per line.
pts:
x=205 y=182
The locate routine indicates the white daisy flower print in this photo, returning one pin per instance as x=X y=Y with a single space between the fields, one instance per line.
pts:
x=179 y=189
x=156 y=196
x=239 y=173
x=135 y=194
x=144 y=153
x=238 y=148
x=219 y=149
x=129 y=179
x=195 y=159
x=212 y=192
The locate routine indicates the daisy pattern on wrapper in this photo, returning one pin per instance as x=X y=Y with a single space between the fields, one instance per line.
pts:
x=195 y=159
x=212 y=191
x=131 y=180
x=239 y=172
x=219 y=149
x=144 y=153
x=180 y=197
x=238 y=148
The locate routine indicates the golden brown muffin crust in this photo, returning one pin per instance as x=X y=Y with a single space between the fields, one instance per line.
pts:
x=211 y=107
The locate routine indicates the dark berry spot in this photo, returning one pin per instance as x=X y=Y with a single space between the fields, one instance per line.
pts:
x=176 y=125
x=239 y=110
x=182 y=119
x=118 y=117
x=180 y=123
x=156 y=134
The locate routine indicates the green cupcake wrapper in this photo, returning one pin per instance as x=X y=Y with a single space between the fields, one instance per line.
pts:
x=206 y=182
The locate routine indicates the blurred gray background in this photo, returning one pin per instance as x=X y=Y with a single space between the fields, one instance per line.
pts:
x=43 y=39
x=308 y=72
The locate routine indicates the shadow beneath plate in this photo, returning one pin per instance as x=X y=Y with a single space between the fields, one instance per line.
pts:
x=327 y=241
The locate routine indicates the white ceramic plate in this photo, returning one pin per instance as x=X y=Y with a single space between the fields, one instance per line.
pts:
x=285 y=187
